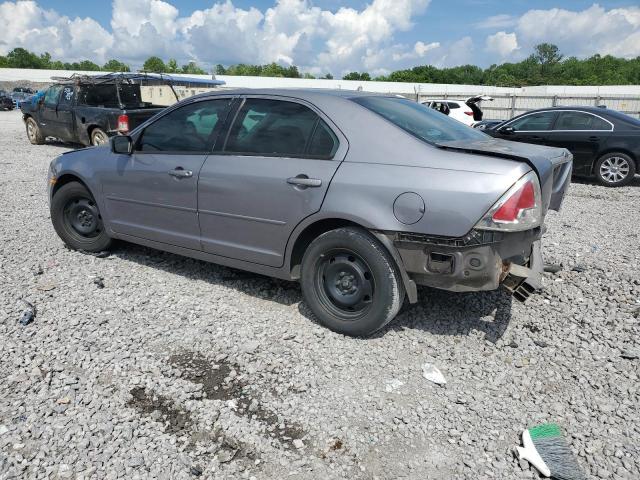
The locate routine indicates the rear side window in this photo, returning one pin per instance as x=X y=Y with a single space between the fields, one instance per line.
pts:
x=265 y=127
x=419 y=120
x=453 y=105
x=580 y=121
x=188 y=129
x=534 y=122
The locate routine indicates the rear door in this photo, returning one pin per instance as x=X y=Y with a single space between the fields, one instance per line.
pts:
x=152 y=193
x=272 y=171
x=583 y=134
x=529 y=128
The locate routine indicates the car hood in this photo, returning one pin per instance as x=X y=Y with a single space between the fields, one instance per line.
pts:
x=553 y=165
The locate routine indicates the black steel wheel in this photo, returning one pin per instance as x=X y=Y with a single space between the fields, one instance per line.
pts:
x=345 y=283
x=350 y=282
x=77 y=219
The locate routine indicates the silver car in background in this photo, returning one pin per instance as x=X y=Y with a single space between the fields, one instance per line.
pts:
x=360 y=197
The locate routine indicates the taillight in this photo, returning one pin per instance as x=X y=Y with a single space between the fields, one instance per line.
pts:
x=469 y=113
x=518 y=209
x=123 y=123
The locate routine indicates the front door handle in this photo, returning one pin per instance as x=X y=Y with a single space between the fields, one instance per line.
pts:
x=593 y=138
x=304 y=181
x=180 y=172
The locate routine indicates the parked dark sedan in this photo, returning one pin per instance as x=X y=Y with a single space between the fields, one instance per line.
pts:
x=605 y=143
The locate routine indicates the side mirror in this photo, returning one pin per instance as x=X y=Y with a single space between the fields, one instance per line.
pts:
x=121 y=144
x=507 y=130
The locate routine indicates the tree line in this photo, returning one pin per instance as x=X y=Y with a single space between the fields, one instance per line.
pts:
x=545 y=66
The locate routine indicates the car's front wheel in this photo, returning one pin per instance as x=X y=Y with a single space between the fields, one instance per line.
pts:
x=33 y=132
x=350 y=282
x=615 y=169
x=77 y=220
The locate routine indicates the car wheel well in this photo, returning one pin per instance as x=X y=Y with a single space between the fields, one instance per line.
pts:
x=68 y=178
x=307 y=236
x=629 y=153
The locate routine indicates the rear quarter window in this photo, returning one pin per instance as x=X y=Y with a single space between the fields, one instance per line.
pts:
x=420 y=121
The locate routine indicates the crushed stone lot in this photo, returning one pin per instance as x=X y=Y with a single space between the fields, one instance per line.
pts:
x=145 y=364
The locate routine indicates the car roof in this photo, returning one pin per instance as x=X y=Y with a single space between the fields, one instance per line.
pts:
x=584 y=108
x=302 y=93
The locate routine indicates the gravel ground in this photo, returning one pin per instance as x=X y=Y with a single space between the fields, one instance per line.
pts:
x=148 y=365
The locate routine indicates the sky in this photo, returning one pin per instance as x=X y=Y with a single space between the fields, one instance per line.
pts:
x=319 y=36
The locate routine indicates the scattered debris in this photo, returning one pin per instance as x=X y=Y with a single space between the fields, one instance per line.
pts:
x=299 y=444
x=630 y=354
x=101 y=254
x=552 y=268
x=99 y=282
x=545 y=448
x=431 y=373
x=28 y=315
x=578 y=268
x=336 y=445
x=540 y=343
x=39 y=271
x=63 y=401
x=46 y=287
x=513 y=344
x=196 y=471
x=393 y=385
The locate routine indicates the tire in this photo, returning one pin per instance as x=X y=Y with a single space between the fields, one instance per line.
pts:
x=615 y=169
x=350 y=282
x=33 y=132
x=77 y=220
x=99 y=137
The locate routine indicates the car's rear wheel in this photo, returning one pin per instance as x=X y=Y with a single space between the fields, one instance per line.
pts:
x=77 y=220
x=33 y=132
x=99 y=137
x=350 y=282
x=615 y=169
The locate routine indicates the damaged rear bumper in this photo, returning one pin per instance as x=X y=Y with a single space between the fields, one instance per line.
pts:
x=482 y=260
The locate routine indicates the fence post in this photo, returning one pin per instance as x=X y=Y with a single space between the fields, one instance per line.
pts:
x=554 y=102
x=598 y=100
x=513 y=105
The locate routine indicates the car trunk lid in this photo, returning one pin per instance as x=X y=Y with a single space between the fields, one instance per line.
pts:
x=472 y=103
x=552 y=165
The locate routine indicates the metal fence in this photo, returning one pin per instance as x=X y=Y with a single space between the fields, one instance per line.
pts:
x=504 y=107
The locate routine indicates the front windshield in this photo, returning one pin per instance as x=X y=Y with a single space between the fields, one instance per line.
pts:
x=421 y=121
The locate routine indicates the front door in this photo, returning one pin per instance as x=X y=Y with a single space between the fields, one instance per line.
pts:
x=583 y=134
x=48 y=118
x=152 y=193
x=272 y=173
x=529 y=128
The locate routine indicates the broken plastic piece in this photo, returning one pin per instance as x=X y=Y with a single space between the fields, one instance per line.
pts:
x=431 y=373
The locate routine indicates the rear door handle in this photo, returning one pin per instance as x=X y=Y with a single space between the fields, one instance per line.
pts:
x=304 y=181
x=180 y=172
x=593 y=138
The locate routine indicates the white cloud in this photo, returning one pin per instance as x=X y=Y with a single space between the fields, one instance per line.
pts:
x=502 y=43
x=579 y=33
x=497 y=21
x=292 y=31
x=25 y=24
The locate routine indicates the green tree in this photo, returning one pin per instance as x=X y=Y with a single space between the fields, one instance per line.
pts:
x=116 y=66
x=193 y=68
x=155 y=65
x=328 y=76
x=22 y=58
x=172 y=65
x=308 y=76
x=220 y=70
x=86 y=65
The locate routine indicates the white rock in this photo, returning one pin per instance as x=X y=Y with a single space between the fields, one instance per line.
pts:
x=431 y=373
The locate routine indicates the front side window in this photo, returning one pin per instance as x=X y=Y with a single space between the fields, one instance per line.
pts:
x=533 y=122
x=52 y=95
x=267 y=127
x=188 y=129
x=419 y=120
x=580 y=121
